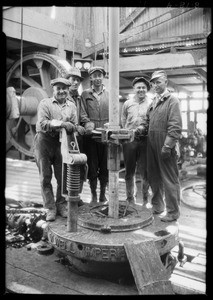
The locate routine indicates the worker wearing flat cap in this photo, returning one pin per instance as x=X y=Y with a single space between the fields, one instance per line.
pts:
x=165 y=125
x=75 y=78
x=133 y=116
x=95 y=102
x=53 y=114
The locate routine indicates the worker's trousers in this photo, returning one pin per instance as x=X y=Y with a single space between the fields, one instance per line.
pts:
x=163 y=177
x=96 y=159
x=135 y=156
x=47 y=152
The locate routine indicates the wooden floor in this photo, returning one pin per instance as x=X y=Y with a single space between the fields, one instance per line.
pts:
x=22 y=184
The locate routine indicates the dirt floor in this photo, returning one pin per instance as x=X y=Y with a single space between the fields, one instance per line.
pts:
x=29 y=272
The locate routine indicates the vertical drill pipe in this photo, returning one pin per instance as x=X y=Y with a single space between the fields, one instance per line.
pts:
x=114 y=20
x=72 y=216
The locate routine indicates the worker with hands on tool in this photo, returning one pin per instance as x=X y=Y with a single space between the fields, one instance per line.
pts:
x=165 y=125
x=75 y=78
x=53 y=114
x=95 y=114
x=133 y=116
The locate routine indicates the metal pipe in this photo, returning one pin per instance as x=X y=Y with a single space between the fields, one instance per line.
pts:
x=113 y=105
x=114 y=68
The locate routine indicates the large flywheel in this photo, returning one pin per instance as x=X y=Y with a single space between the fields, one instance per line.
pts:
x=30 y=77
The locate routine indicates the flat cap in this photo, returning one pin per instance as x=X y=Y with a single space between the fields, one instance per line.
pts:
x=74 y=72
x=60 y=80
x=158 y=74
x=97 y=68
x=141 y=79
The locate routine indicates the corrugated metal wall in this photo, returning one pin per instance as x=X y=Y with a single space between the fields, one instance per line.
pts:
x=189 y=23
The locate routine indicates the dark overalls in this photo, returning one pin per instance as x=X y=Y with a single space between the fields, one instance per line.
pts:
x=98 y=113
x=164 y=121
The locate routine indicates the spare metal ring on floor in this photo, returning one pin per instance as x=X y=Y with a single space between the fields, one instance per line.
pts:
x=193 y=199
x=45 y=249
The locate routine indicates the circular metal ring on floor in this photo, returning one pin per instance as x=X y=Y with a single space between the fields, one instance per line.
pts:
x=45 y=249
x=130 y=217
x=192 y=197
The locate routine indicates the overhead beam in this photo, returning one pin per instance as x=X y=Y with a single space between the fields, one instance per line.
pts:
x=174 y=40
x=167 y=61
x=173 y=13
x=168 y=16
x=159 y=61
x=192 y=84
x=202 y=73
x=179 y=76
x=178 y=88
x=124 y=82
x=130 y=19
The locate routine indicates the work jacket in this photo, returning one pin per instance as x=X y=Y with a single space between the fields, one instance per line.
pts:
x=165 y=120
x=95 y=108
x=76 y=99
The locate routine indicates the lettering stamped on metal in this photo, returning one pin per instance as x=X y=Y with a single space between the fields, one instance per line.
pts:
x=90 y=252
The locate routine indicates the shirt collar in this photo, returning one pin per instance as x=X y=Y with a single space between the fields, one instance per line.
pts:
x=94 y=91
x=74 y=93
x=56 y=101
x=161 y=96
x=140 y=101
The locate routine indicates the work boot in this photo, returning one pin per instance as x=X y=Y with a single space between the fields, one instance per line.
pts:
x=130 y=190
x=93 y=187
x=51 y=215
x=102 y=197
x=169 y=218
x=62 y=210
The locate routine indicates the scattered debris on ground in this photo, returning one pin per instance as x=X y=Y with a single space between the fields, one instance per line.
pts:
x=24 y=225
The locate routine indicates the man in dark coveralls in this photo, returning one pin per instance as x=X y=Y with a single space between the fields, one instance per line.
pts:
x=165 y=125
x=53 y=114
x=95 y=102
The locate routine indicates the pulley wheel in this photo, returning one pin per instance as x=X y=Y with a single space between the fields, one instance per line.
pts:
x=38 y=69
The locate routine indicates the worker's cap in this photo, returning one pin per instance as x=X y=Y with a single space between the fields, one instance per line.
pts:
x=60 y=80
x=97 y=68
x=74 y=72
x=158 y=74
x=141 y=79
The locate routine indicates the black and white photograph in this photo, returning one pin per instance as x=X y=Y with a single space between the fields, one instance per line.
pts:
x=106 y=111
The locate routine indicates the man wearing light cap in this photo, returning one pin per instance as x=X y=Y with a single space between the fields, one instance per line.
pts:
x=53 y=114
x=95 y=106
x=133 y=116
x=165 y=125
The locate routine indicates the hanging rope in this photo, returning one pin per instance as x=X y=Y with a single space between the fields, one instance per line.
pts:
x=21 y=54
x=73 y=41
x=105 y=38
